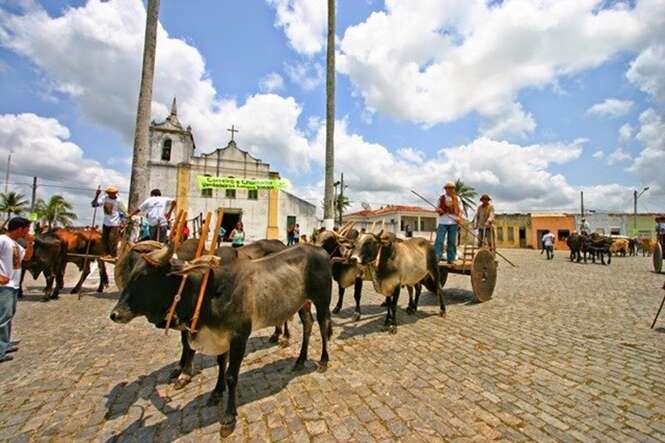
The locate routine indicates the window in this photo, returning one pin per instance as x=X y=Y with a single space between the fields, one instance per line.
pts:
x=615 y=231
x=253 y=194
x=499 y=233
x=230 y=193
x=166 y=150
x=644 y=234
x=600 y=231
x=511 y=234
x=428 y=224
x=206 y=192
x=563 y=234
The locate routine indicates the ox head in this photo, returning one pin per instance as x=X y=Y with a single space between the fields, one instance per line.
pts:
x=148 y=288
x=367 y=246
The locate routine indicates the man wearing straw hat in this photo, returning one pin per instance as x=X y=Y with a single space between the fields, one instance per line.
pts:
x=484 y=219
x=112 y=219
x=449 y=210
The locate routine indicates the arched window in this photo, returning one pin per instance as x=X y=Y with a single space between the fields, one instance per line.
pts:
x=166 y=150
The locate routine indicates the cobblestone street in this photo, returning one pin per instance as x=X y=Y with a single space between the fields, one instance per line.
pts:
x=563 y=352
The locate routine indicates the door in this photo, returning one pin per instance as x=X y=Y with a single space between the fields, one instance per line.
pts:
x=229 y=221
x=539 y=237
x=522 y=237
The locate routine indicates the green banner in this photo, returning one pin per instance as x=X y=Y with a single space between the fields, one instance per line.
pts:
x=207 y=182
x=32 y=216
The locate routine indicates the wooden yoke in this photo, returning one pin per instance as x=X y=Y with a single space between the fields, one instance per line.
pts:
x=176 y=232
x=206 y=276
x=199 y=249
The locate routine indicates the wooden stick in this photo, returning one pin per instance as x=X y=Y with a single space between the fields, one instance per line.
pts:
x=371 y=230
x=176 y=299
x=658 y=313
x=87 y=246
x=206 y=276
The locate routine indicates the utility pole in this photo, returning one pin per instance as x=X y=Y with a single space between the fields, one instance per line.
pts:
x=340 y=202
x=34 y=194
x=9 y=165
x=139 y=177
x=582 y=202
x=328 y=213
x=635 y=197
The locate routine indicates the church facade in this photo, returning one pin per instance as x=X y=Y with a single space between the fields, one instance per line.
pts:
x=175 y=167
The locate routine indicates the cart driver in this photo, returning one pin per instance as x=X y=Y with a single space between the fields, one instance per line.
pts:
x=483 y=220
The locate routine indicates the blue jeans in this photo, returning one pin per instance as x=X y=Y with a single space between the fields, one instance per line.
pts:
x=7 y=311
x=441 y=232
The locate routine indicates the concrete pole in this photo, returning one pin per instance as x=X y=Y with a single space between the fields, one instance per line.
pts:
x=34 y=194
x=634 y=212
x=139 y=179
x=328 y=211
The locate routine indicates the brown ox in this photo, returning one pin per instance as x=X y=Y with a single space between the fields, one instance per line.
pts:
x=76 y=242
x=647 y=246
x=619 y=246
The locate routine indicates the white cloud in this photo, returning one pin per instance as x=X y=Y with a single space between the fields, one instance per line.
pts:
x=307 y=75
x=105 y=39
x=598 y=155
x=611 y=107
x=433 y=61
x=411 y=155
x=625 y=133
x=40 y=148
x=649 y=163
x=511 y=122
x=304 y=23
x=271 y=82
x=647 y=71
x=617 y=156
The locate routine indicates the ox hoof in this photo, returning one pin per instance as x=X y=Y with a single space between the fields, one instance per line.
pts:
x=299 y=366
x=54 y=297
x=442 y=313
x=283 y=343
x=273 y=338
x=356 y=316
x=337 y=309
x=45 y=298
x=74 y=291
x=323 y=367
x=410 y=310
x=175 y=373
x=392 y=329
x=181 y=382
x=215 y=398
x=228 y=424
x=100 y=290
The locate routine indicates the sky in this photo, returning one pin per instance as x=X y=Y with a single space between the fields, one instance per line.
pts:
x=528 y=101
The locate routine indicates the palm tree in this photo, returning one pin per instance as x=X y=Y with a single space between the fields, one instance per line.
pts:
x=55 y=211
x=466 y=194
x=328 y=210
x=341 y=203
x=12 y=203
x=139 y=178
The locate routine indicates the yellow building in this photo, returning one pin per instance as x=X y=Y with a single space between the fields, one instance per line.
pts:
x=513 y=231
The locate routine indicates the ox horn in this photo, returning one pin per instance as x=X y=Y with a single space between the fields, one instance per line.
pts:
x=160 y=257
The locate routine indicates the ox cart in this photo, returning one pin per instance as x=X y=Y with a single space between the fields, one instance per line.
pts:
x=477 y=262
x=660 y=245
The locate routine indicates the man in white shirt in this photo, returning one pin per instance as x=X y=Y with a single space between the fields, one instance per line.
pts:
x=11 y=256
x=156 y=213
x=548 y=244
x=585 y=228
x=112 y=219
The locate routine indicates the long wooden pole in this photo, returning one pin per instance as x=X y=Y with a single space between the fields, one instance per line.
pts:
x=87 y=246
x=206 y=276
x=178 y=295
x=659 y=309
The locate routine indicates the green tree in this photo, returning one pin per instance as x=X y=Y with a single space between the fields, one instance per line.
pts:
x=341 y=203
x=12 y=203
x=55 y=211
x=467 y=194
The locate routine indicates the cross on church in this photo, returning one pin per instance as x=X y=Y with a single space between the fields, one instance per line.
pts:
x=233 y=130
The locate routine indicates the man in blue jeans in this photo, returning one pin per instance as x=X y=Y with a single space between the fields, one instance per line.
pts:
x=11 y=256
x=449 y=210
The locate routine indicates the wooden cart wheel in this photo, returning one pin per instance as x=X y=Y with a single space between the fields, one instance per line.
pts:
x=658 y=258
x=483 y=274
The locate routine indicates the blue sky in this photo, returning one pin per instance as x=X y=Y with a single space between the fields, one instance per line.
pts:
x=522 y=100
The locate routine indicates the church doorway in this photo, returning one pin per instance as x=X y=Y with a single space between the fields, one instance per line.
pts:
x=229 y=221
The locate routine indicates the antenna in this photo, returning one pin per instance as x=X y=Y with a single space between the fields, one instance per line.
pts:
x=366 y=206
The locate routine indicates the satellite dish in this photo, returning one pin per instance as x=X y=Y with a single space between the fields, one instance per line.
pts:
x=366 y=206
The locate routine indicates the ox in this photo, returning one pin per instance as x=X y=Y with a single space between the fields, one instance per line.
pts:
x=76 y=242
x=393 y=263
x=129 y=256
x=240 y=297
x=50 y=254
x=620 y=246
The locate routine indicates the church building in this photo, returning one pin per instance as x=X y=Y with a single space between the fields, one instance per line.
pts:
x=177 y=169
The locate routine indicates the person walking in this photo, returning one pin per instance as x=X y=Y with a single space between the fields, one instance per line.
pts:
x=449 y=210
x=483 y=220
x=156 y=213
x=11 y=256
x=220 y=237
x=237 y=236
x=289 y=236
x=408 y=232
x=112 y=219
x=296 y=234
x=548 y=244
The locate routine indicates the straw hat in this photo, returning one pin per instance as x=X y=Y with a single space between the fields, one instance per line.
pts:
x=485 y=197
x=111 y=190
x=449 y=185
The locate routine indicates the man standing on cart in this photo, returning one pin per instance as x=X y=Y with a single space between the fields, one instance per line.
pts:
x=483 y=221
x=449 y=210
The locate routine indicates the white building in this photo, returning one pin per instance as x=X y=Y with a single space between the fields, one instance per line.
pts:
x=395 y=218
x=174 y=168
